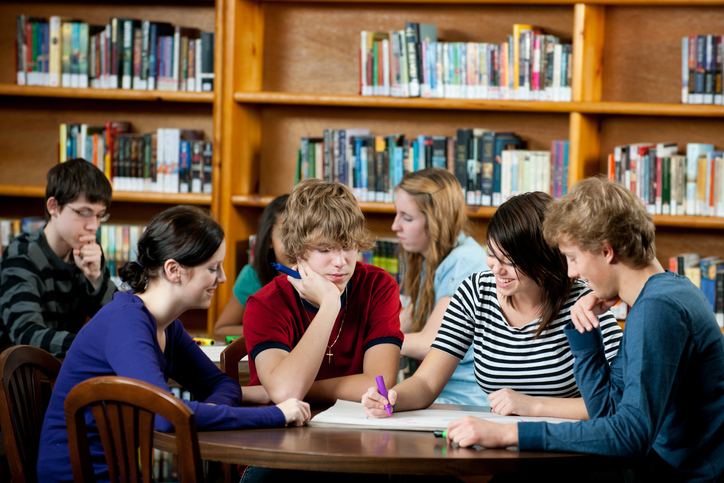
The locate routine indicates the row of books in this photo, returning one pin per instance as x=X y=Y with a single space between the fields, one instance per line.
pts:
x=165 y=466
x=702 y=57
x=670 y=183
x=119 y=244
x=529 y=65
x=14 y=227
x=706 y=273
x=125 y=53
x=168 y=160
x=386 y=255
x=490 y=166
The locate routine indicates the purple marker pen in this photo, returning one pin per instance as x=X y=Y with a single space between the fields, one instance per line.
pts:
x=383 y=391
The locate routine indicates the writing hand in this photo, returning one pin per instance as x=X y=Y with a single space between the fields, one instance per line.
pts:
x=88 y=258
x=586 y=309
x=296 y=412
x=507 y=401
x=472 y=431
x=374 y=403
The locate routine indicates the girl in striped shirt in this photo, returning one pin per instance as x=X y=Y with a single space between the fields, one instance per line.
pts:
x=513 y=316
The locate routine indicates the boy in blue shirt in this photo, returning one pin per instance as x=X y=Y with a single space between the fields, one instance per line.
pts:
x=662 y=398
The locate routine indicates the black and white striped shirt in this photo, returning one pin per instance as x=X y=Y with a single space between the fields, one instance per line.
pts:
x=507 y=356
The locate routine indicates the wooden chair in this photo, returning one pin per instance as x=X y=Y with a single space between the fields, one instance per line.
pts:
x=28 y=376
x=229 y=363
x=231 y=356
x=124 y=410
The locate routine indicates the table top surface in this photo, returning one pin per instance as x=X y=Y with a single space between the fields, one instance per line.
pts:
x=353 y=450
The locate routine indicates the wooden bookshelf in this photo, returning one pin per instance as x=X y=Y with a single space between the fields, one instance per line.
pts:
x=30 y=115
x=292 y=71
x=288 y=68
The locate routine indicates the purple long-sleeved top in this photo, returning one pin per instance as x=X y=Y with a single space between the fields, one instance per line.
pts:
x=121 y=340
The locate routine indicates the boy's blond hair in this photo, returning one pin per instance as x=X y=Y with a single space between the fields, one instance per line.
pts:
x=597 y=211
x=321 y=213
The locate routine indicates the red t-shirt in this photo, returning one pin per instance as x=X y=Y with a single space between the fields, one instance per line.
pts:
x=273 y=318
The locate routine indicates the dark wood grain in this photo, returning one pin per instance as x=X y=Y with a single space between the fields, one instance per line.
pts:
x=375 y=451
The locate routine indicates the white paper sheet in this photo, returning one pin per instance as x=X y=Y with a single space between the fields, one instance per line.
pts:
x=352 y=414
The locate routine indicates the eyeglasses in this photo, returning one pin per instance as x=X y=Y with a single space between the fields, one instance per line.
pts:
x=85 y=214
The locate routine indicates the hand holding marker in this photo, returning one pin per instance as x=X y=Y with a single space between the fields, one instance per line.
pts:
x=383 y=392
x=286 y=270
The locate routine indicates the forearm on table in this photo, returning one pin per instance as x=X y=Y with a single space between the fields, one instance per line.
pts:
x=554 y=407
x=294 y=373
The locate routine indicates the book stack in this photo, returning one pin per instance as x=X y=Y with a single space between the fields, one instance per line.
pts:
x=168 y=160
x=529 y=65
x=119 y=244
x=125 y=53
x=490 y=166
x=14 y=227
x=701 y=69
x=386 y=255
x=670 y=183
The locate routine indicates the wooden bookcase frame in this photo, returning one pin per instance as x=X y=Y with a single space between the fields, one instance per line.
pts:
x=273 y=86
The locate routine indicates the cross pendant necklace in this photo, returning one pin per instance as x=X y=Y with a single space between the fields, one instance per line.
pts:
x=329 y=353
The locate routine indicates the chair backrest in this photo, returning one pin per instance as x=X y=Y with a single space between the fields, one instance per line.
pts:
x=124 y=410
x=230 y=357
x=28 y=376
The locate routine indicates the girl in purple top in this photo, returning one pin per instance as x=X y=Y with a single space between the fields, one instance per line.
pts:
x=138 y=335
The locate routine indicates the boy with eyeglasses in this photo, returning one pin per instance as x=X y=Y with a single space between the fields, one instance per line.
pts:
x=51 y=280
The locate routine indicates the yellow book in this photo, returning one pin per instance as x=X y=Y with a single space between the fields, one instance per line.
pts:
x=702 y=206
x=517 y=29
x=63 y=149
x=54 y=53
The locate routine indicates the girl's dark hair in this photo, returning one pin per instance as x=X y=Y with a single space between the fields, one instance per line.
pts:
x=186 y=234
x=263 y=249
x=516 y=228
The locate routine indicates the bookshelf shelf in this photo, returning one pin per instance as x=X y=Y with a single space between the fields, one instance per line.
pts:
x=105 y=94
x=602 y=108
x=367 y=207
x=125 y=196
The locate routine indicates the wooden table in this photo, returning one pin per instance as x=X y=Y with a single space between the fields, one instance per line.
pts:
x=376 y=451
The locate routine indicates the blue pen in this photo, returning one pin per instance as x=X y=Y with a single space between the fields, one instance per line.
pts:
x=286 y=270
x=383 y=391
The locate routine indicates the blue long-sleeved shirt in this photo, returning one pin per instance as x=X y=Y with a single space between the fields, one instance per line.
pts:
x=121 y=340
x=664 y=391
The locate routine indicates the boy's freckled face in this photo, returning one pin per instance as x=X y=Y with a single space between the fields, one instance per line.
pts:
x=590 y=268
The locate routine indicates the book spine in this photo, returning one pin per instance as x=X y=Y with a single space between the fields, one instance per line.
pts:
x=54 y=61
x=206 y=75
x=83 y=34
x=126 y=72
x=21 y=50
x=413 y=63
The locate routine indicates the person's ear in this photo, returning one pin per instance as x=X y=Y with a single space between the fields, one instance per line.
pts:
x=172 y=270
x=608 y=252
x=52 y=206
